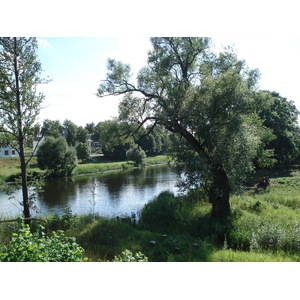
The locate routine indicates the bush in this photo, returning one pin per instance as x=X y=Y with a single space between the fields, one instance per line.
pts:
x=56 y=157
x=63 y=222
x=161 y=214
x=83 y=151
x=128 y=256
x=37 y=247
x=137 y=155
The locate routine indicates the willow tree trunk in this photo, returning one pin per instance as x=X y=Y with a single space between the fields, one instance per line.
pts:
x=219 y=192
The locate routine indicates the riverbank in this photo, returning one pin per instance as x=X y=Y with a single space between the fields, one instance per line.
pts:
x=264 y=226
x=10 y=167
x=99 y=165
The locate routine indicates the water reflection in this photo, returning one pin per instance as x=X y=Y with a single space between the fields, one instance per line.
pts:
x=115 y=194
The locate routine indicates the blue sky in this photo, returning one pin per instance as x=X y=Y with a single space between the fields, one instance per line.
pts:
x=76 y=66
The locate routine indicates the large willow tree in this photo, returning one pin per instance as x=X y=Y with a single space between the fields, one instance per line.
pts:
x=20 y=103
x=203 y=97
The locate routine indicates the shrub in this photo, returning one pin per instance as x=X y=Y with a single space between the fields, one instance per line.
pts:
x=161 y=214
x=128 y=256
x=56 y=157
x=63 y=222
x=83 y=151
x=137 y=155
x=37 y=247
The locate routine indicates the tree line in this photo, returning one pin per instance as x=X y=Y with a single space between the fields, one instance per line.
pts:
x=112 y=137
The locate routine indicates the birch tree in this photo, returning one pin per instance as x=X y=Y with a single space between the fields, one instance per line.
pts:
x=20 y=103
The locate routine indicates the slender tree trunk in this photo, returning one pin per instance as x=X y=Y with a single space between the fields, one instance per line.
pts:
x=26 y=206
x=26 y=209
x=219 y=193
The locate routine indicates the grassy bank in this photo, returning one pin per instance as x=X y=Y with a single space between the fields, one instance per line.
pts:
x=264 y=226
x=100 y=165
x=10 y=167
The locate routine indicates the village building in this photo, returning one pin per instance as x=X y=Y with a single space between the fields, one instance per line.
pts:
x=8 y=151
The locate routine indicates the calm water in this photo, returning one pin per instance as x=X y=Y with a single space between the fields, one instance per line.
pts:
x=113 y=194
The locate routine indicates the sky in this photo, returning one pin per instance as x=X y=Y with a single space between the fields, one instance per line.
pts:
x=77 y=65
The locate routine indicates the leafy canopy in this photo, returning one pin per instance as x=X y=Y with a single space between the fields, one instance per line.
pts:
x=20 y=74
x=204 y=97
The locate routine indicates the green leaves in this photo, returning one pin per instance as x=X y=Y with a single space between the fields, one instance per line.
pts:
x=117 y=78
x=82 y=151
x=26 y=246
x=137 y=155
x=128 y=256
x=55 y=156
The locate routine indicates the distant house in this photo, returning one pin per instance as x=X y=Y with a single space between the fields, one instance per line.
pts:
x=89 y=142
x=8 y=151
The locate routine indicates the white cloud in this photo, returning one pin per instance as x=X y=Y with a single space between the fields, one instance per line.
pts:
x=43 y=43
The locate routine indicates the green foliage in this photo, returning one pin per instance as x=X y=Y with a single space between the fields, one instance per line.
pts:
x=204 y=98
x=52 y=128
x=63 y=222
x=56 y=157
x=20 y=72
x=101 y=167
x=82 y=134
x=156 y=141
x=70 y=130
x=114 y=138
x=281 y=116
x=105 y=238
x=161 y=214
x=229 y=255
x=137 y=155
x=83 y=151
x=20 y=104
x=37 y=247
x=128 y=256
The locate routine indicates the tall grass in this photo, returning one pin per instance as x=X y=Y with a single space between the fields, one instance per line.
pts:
x=105 y=166
x=100 y=167
x=10 y=169
x=229 y=255
x=156 y=160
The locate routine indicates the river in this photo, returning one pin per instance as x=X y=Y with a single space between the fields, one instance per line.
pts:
x=109 y=195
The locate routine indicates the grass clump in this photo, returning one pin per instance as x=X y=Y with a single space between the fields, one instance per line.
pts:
x=229 y=255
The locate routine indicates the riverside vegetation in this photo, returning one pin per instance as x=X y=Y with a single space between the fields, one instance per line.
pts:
x=10 y=167
x=263 y=226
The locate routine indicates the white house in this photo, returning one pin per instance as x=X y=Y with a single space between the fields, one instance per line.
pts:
x=8 y=151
